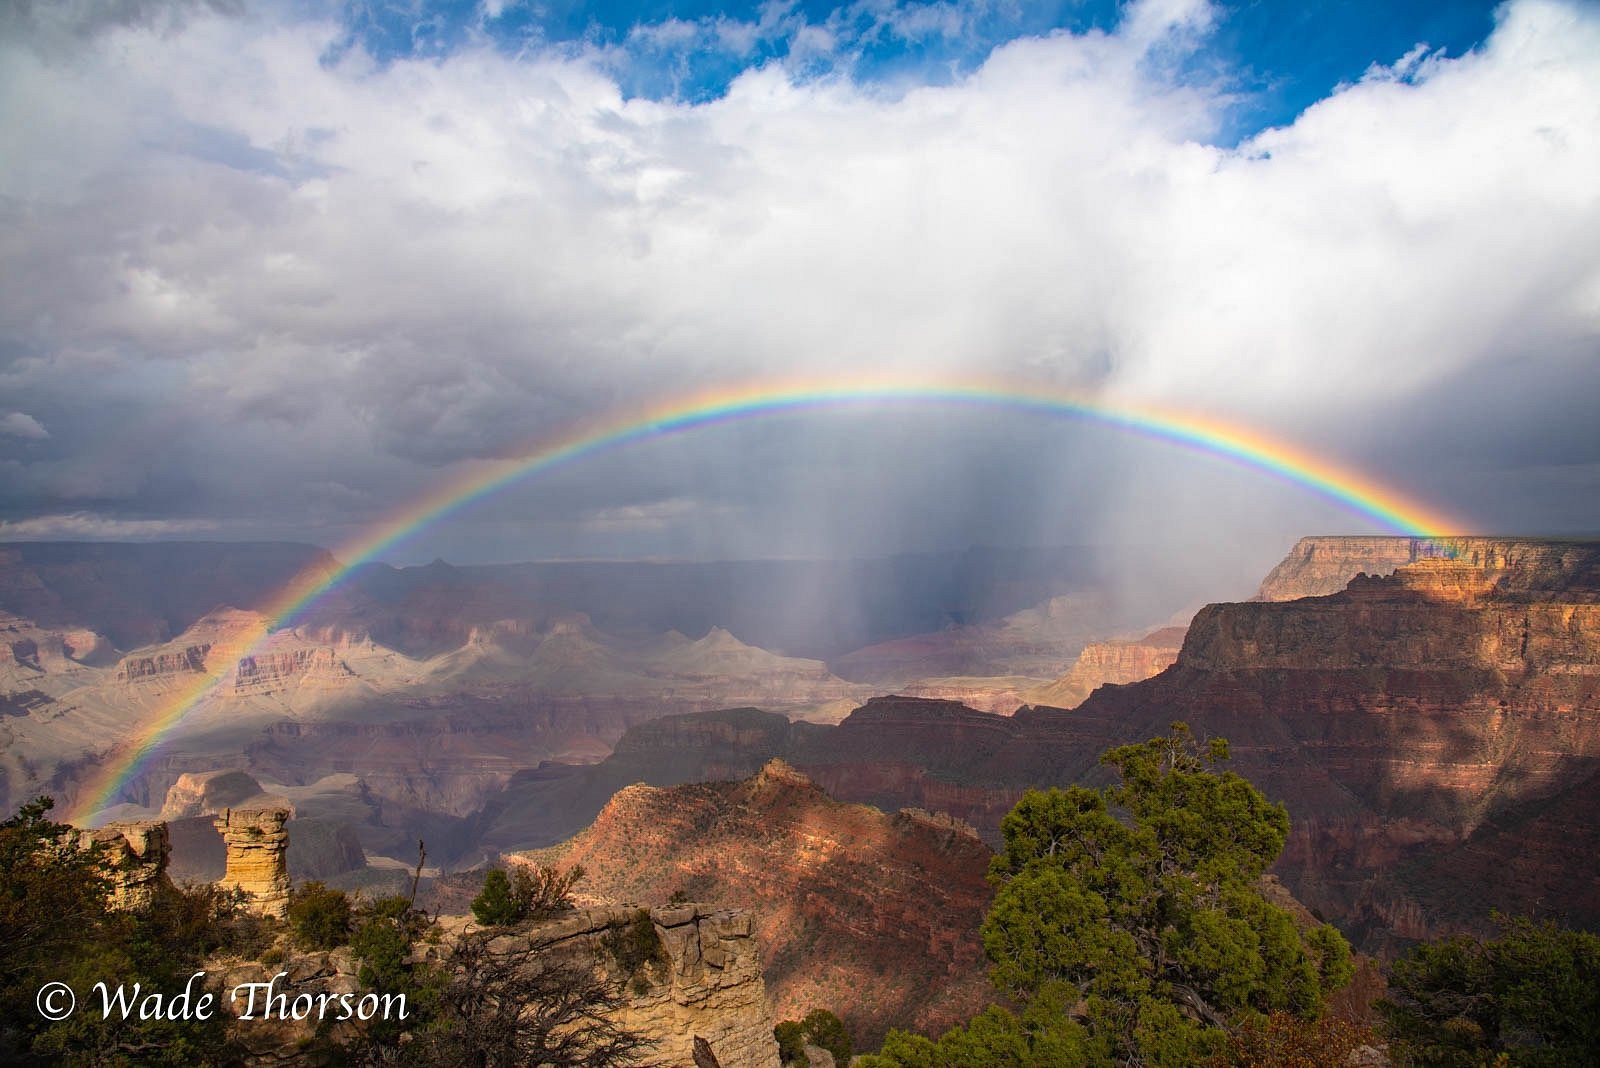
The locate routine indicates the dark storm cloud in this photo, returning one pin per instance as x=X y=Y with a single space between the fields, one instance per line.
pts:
x=261 y=284
x=50 y=23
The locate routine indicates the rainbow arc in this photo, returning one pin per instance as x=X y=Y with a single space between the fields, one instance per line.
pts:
x=1359 y=493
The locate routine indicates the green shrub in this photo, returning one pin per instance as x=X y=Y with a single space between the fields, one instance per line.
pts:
x=543 y=891
x=636 y=948
x=1532 y=996
x=825 y=1030
x=820 y=1028
x=386 y=931
x=319 y=915
x=495 y=906
x=791 y=1044
x=529 y=894
x=1139 y=901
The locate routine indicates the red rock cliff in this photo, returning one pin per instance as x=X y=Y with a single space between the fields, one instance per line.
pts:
x=1318 y=566
x=870 y=915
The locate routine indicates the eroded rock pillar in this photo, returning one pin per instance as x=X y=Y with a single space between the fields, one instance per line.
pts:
x=136 y=854
x=258 y=849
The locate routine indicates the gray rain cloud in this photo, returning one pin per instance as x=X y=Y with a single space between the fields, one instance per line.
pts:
x=260 y=286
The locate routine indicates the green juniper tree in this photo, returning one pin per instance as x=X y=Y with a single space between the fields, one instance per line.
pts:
x=320 y=915
x=495 y=906
x=1128 y=926
x=820 y=1028
x=529 y=894
x=1531 y=996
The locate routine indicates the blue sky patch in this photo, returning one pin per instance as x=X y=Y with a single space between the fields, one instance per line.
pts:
x=1276 y=58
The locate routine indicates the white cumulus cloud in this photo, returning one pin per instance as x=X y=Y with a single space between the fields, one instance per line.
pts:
x=22 y=425
x=345 y=272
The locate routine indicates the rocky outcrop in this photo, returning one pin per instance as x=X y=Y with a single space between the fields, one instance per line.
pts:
x=710 y=992
x=269 y=671
x=1379 y=623
x=319 y=847
x=1319 y=566
x=707 y=998
x=817 y=1057
x=135 y=863
x=1117 y=662
x=1001 y=695
x=235 y=643
x=872 y=916
x=207 y=793
x=309 y=984
x=189 y=660
x=25 y=644
x=257 y=854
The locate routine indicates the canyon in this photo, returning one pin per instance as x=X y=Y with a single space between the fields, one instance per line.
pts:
x=401 y=703
x=1426 y=708
x=1434 y=734
x=415 y=744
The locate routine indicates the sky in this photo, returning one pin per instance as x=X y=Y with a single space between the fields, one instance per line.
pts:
x=274 y=270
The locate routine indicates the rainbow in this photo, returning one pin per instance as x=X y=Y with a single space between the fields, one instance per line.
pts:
x=1361 y=494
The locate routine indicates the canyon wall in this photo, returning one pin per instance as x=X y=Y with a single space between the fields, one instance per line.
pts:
x=1318 y=566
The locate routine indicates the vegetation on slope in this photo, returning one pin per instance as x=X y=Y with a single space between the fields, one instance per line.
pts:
x=821 y=1029
x=1531 y=996
x=1142 y=939
x=55 y=927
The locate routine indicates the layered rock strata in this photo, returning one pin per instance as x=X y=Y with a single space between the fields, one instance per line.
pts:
x=268 y=672
x=872 y=916
x=258 y=854
x=1318 y=566
x=1116 y=662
